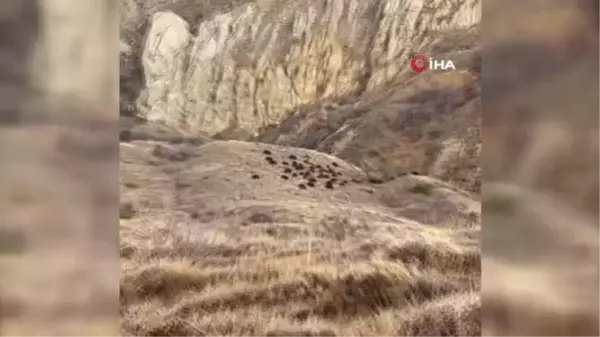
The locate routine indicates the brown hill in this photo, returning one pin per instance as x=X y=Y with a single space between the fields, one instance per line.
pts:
x=331 y=190
x=215 y=241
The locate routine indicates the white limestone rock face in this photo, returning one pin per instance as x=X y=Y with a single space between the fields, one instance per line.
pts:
x=164 y=58
x=249 y=67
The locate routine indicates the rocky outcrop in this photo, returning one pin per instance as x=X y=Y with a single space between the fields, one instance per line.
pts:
x=166 y=48
x=250 y=67
x=428 y=123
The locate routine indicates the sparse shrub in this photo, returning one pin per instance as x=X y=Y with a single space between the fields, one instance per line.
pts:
x=131 y=184
x=259 y=217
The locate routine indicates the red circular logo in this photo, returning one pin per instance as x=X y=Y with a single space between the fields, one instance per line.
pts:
x=419 y=63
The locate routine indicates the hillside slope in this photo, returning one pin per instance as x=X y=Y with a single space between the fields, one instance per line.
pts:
x=214 y=240
x=428 y=123
x=284 y=173
x=358 y=101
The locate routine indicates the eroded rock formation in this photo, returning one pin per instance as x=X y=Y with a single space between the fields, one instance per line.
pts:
x=250 y=67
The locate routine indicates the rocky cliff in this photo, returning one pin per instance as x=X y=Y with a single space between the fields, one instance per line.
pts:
x=284 y=168
x=332 y=76
x=251 y=67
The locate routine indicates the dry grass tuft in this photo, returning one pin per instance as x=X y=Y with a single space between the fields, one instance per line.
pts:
x=314 y=283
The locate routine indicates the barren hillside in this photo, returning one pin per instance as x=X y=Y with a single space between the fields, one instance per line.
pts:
x=342 y=86
x=246 y=238
x=284 y=173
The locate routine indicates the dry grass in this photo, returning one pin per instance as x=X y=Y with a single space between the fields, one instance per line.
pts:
x=259 y=275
